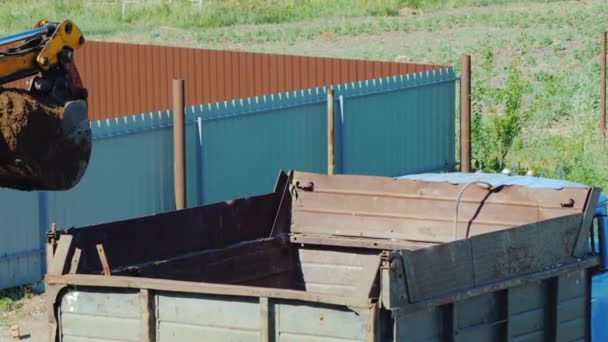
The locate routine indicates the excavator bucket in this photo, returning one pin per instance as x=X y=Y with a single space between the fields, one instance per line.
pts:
x=45 y=137
x=43 y=145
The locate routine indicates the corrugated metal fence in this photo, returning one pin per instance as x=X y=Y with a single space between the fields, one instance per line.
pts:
x=126 y=79
x=387 y=126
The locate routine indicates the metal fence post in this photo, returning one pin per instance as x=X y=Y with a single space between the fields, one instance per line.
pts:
x=603 y=90
x=199 y=126
x=465 y=112
x=179 y=143
x=342 y=140
x=43 y=223
x=330 y=132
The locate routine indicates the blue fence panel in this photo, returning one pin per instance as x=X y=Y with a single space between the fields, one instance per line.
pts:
x=20 y=238
x=246 y=143
x=397 y=125
x=130 y=173
x=391 y=126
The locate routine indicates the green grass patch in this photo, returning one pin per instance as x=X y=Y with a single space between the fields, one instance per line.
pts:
x=439 y=4
x=12 y=299
x=105 y=18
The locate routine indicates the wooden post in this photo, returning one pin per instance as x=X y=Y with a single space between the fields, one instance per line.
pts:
x=465 y=115
x=603 y=90
x=147 y=323
x=15 y=332
x=330 y=132
x=57 y=264
x=103 y=260
x=51 y=245
x=179 y=143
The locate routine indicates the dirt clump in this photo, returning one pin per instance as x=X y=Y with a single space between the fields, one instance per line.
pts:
x=16 y=108
x=41 y=147
x=407 y=12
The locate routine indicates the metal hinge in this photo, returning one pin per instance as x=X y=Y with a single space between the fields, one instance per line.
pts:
x=393 y=286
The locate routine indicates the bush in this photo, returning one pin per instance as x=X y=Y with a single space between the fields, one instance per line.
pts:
x=494 y=133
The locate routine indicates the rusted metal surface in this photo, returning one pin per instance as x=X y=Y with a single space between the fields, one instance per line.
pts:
x=125 y=79
x=252 y=286
x=359 y=242
x=549 y=226
x=535 y=246
x=406 y=210
x=263 y=263
x=166 y=235
x=272 y=263
x=435 y=271
x=488 y=258
x=586 y=263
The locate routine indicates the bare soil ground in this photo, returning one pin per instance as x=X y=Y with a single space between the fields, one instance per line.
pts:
x=31 y=319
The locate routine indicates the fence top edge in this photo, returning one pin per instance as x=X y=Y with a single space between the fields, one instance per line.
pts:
x=270 y=102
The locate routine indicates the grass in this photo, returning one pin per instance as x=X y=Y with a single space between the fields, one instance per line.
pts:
x=99 y=18
x=12 y=299
x=556 y=44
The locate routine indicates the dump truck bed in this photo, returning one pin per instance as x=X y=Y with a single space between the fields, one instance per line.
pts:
x=335 y=258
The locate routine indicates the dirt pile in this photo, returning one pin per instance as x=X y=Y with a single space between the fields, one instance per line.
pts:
x=43 y=145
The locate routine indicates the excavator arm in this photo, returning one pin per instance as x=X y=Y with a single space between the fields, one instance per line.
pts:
x=45 y=138
x=47 y=51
